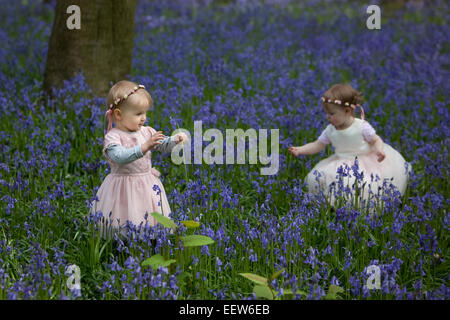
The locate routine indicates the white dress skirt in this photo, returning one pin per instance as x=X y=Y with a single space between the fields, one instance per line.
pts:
x=351 y=145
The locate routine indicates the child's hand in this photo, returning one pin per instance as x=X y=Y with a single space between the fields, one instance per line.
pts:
x=381 y=155
x=181 y=137
x=294 y=151
x=155 y=139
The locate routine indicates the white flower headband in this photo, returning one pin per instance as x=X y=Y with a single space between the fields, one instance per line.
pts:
x=351 y=105
x=125 y=96
x=347 y=104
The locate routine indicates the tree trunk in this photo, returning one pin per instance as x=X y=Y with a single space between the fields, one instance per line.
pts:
x=101 y=48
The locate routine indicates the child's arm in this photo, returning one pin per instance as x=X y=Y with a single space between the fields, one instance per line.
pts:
x=168 y=143
x=378 y=145
x=373 y=140
x=122 y=155
x=162 y=143
x=308 y=149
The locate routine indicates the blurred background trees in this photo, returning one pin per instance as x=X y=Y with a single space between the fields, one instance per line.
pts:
x=101 y=49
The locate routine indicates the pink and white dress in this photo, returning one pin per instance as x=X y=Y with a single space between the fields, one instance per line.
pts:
x=350 y=143
x=129 y=191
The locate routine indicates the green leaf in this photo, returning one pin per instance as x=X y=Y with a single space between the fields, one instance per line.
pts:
x=255 y=278
x=276 y=274
x=263 y=291
x=287 y=292
x=168 y=262
x=166 y=222
x=157 y=260
x=196 y=240
x=333 y=290
x=191 y=223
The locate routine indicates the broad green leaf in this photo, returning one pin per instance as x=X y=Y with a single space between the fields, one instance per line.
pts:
x=168 y=262
x=255 y=278
x=157 y=260
x=287 y=292
x=263 y=291
x=196 y=240
x=330 y=297
x=166 y=222
x=277 y=273
x=333 y=290
x=191 y=223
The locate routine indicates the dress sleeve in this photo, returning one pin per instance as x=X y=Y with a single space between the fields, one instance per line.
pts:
x=324 y=138
x=111 y=138
x=167 y=144
x=368 y=131
x=121 y=155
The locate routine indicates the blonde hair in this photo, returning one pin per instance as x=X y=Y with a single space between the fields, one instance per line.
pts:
x=124 y=87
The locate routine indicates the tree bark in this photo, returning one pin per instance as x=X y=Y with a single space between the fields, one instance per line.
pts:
x=101 y=49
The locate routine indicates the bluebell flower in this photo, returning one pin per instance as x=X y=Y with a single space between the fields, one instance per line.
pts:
x=218 y=264
x=253 y=256
x=157 y=189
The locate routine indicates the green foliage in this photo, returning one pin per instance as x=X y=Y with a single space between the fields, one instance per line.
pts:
x=166 y=222
x=263 y=287
x=255 y=278
x=333 y=292
x=196 y=240
x=157 y=260
x=190 y=224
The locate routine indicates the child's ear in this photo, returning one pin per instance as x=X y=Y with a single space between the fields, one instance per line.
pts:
x=117 y=114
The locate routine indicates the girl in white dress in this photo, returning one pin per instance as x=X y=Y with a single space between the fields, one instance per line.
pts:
x=354 y=140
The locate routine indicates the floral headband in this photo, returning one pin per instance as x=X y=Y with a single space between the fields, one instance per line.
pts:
x=339 y=102
x=125 y=96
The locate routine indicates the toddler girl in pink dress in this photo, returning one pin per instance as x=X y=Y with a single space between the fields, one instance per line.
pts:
x=352 y=138
x=133 y=188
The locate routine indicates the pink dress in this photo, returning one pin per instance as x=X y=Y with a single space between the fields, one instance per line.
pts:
x=128 y=192
x=350 y=143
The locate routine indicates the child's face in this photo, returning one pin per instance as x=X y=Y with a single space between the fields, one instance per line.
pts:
x=133 y=117
x=337 y=115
